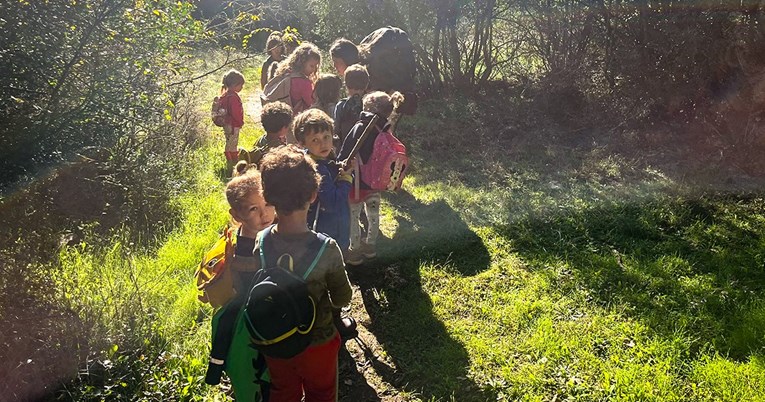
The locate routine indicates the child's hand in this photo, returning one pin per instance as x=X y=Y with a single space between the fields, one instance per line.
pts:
x=345 y=173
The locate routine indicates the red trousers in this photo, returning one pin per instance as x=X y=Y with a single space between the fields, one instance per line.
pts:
x=313 y=371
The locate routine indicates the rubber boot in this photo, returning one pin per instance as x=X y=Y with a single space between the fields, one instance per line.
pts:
x=345 y=326
x=231 y=160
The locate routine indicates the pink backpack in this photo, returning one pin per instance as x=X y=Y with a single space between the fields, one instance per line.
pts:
x=387 y=165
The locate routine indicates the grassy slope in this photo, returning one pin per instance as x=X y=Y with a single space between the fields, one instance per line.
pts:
x=153 y=333
x=508 y=269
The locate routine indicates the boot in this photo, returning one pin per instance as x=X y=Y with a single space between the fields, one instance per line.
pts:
x=345 y=326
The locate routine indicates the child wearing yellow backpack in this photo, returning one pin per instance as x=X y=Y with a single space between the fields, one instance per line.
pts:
x=231 y=350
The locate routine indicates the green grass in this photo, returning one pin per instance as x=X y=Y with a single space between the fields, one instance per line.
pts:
x=518 y=269
x=148 y=335
x=581 y=276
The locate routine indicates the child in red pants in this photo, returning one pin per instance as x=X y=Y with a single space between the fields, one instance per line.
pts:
x=291 y=183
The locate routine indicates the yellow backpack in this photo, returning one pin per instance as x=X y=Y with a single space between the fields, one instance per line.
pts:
x=214 y=280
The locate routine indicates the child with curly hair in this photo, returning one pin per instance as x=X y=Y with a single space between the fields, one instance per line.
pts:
x=291 y=184
x=302 y=64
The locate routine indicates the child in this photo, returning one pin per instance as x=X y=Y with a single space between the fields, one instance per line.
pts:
x=344 y=54
x=245 y=198
x=290 y=183
x=290 y=41
x=362 y=197
x=313 y=131
x=326 y=93
x=347 y=111
x=233 y=81
x=276 y=118
x=304 y=61
x=231 y=341
x=275 y=51
x=330 y=213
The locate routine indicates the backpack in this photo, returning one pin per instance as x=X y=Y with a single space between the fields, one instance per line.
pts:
x=252 y=156
x=388 y=55
x=214 y=281
x=219 y=111
x=387 y=164
x=278 y=88
x=346 y=116
x=280 y=312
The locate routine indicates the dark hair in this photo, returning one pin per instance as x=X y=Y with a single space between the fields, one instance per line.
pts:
x=327 y=88
x=246 y=181
x=289 y=179
x=311 y=121
x=345 y=50
x=357 y=77
x=274 y=40
x=275 y=116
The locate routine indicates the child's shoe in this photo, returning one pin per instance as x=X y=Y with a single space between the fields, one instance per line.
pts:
x=354 y=257
x=346 y=327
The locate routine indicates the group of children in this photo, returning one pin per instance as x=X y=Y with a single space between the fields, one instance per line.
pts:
x=305 y=181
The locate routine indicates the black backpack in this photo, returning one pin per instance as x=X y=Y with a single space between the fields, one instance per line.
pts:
x=389 y=57
x=280 y=311
x=347 y=115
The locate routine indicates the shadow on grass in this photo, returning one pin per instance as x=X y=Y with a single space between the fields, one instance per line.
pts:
x=690 y=265
x=428 y=361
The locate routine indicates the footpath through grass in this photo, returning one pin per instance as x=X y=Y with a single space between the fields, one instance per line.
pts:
x=508 y=269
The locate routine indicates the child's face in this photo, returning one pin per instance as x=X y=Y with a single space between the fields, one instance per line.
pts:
x=311 y=67
x=340 y=66
x=237 y=88
x=319 y=144
x=253 y=213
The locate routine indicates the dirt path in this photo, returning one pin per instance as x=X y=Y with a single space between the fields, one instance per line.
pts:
x=363 y=360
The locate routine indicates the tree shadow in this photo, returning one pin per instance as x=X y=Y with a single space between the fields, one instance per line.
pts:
x=427 y=361
x=688 y=264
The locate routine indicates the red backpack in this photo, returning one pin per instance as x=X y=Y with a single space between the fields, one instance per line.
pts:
x=387 y=165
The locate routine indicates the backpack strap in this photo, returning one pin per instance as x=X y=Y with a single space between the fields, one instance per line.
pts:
x=315 y=261
x=261 y=243
x=321 y=242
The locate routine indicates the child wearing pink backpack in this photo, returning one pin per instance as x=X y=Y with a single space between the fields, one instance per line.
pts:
x=373 y=170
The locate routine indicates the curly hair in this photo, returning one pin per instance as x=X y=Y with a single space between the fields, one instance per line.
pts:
x=381 y=103
x=289 y=179
x=275 y=116
x=246 y=181
x=298 y=59
x=311 y=121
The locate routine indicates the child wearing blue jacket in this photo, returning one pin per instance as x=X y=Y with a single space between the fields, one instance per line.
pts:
x=330 y=213
x=313 y=131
